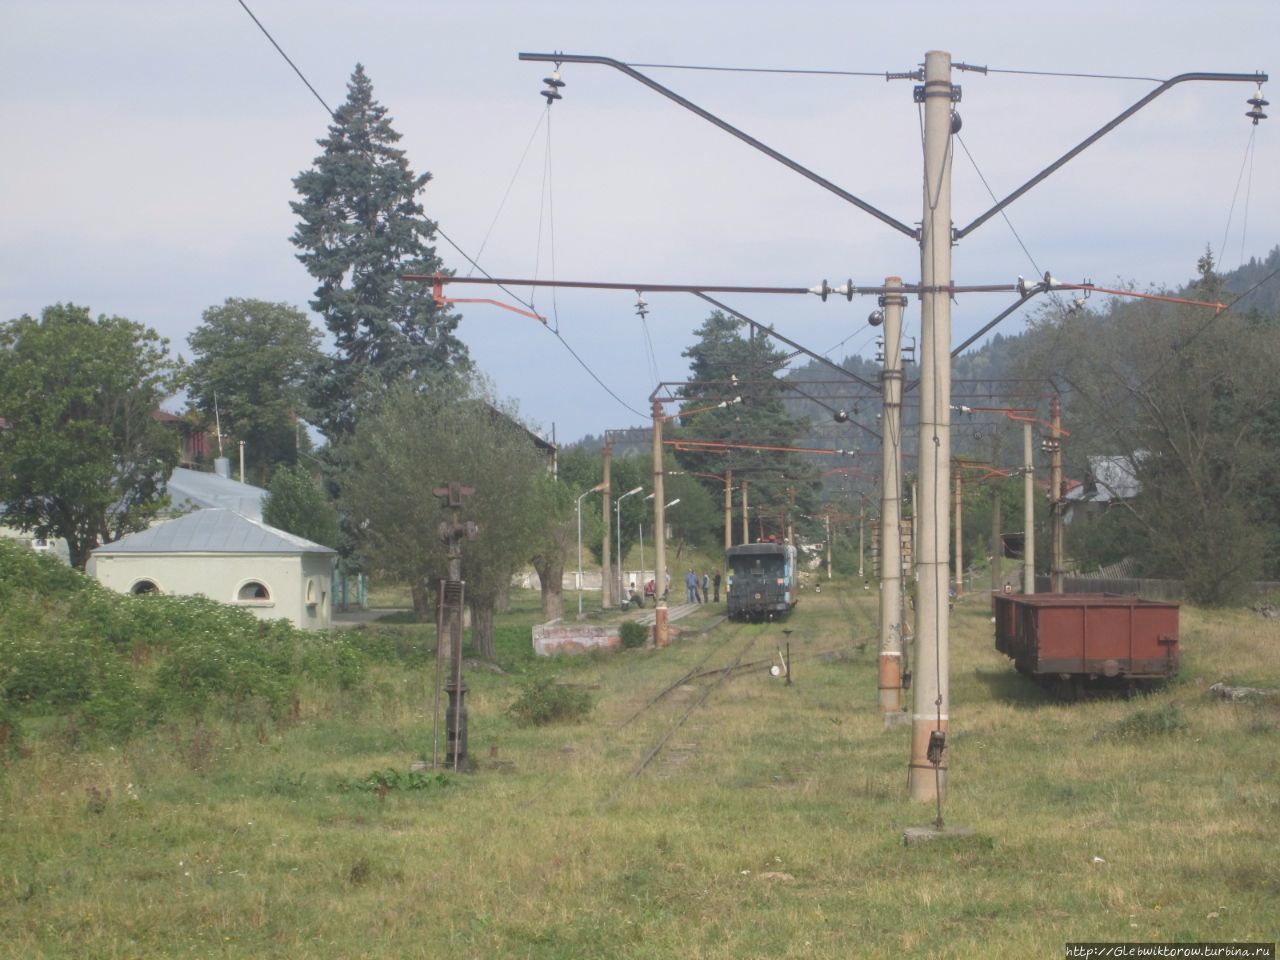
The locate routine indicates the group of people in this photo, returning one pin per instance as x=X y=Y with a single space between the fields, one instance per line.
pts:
x=650 y=594
x=699 y=588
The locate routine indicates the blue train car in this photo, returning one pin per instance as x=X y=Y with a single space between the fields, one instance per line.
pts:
x=761 y=580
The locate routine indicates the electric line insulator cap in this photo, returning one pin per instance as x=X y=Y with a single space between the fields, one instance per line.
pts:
x=1256 y=114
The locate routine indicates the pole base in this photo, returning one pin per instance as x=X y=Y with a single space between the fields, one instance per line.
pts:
x=914 y=836
x=661 y=630
x=896 y=718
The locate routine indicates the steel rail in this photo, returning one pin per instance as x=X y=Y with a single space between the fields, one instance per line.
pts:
x=724 y=674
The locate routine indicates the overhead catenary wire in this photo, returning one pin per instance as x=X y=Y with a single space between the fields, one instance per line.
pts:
x=280 y=50
x=573 y=353
x=1246 y=163
x=542 y=118
x=886 y=74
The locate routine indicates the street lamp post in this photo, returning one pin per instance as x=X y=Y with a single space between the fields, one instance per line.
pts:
x=641 y=531
x=596 y=489
x=617 y=509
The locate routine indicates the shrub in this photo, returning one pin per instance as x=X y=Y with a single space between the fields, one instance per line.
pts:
x=384 y=781
x=633 y=634
x=10 y=730
x=543 y=701
x=1162 y=721
x=25 y=570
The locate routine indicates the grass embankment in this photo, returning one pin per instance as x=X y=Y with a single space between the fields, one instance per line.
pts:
x=772 y=829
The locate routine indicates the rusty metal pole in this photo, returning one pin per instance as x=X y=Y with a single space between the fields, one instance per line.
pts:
x=915 y=528
x=1028 y=514
x=661 y=635
x=997 y=541
x=606 y=585
x=930 y=714
x=862 y=536
x=890 y=552
x=728 y=510
x=453 y=532
x=1056 y=503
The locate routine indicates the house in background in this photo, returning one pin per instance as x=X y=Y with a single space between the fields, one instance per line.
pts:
x=195 y=490
x=195 y=442
x=226 y=556
x=1111 y=480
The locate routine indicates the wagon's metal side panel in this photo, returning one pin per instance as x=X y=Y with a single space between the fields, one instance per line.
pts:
x=1099 y=635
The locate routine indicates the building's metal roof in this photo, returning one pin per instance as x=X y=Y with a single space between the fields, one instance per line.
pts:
x=215 y=530
x=195 y=490
x=1113 y=478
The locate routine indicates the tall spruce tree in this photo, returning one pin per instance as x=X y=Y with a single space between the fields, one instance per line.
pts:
x=361 y=227
x=724 y=365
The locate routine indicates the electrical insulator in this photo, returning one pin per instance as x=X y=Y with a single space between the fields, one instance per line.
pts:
x=937 y=743
x=1256 y=104
x=642 y=308
x=554 y=83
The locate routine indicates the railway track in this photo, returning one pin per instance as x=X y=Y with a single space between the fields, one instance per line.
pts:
x=667 y=716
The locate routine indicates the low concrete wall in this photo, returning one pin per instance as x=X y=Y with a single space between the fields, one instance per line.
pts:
x=560 y=637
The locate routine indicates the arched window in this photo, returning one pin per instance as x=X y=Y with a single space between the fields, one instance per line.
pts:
x=311 y=593
x=254 y=590
x=144 y=586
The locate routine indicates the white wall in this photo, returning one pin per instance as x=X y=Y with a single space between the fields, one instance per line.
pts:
x=221 y=576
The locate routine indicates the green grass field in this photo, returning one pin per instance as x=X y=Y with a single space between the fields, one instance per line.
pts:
x=772 y=827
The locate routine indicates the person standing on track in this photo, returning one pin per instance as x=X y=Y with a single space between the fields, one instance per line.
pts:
x=691 y=587
x=706 y=589
x=716 y=584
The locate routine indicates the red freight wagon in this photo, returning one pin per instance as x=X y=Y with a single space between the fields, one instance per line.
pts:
x=1081 y=637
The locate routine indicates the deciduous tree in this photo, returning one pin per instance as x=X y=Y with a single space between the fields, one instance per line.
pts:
x=252 y=359
x=296 y=503
x=1181 y=392
x=417 y=440
x=83 y=456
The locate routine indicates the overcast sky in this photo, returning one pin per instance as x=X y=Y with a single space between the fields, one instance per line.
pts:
x=150 y=149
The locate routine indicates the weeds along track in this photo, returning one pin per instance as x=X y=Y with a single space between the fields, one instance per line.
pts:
x=859 y=620
x=716 y=666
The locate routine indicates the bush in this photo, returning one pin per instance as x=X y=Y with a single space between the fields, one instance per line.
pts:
x=113 y=664
x=10 y=730
x=25 y=570
x=633 y=634
x=543 y=701
x=1162 y=721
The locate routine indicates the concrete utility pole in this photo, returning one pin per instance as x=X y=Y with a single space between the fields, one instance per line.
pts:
x=931 y=702
x=1056 y=501
x=959 y=496
x=606 y=577
x=1028 y=514
x=827 y=518
x=746 y=513
x=661 y=634
x=891 y=505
